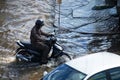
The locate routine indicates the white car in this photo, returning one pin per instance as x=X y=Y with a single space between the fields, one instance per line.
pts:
x=97 y=66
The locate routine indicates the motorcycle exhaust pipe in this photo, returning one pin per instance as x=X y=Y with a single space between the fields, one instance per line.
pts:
x=19 y=56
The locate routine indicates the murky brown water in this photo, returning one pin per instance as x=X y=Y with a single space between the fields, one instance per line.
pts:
x=17 y=17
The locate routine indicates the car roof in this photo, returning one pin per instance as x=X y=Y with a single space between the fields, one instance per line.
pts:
x=93 y=63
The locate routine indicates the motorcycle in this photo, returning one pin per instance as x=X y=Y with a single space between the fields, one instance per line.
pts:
x=27 y=53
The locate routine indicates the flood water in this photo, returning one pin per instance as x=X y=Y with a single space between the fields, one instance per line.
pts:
x=17 y=17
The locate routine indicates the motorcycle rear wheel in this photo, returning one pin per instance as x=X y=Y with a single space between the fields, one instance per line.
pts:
x=24 y=56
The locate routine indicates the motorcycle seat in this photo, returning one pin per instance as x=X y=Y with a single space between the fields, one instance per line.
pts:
x=27 y=45
x=23 y=44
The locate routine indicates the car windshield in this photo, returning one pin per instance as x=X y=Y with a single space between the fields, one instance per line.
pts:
x=64 y=72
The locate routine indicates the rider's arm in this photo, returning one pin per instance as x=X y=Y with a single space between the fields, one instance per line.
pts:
x=46 y=34
x=39 y=38
x=36 y=35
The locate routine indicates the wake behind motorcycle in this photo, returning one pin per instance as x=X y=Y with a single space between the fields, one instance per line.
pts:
x=27 y=53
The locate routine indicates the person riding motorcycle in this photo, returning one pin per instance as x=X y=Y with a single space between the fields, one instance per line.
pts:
x=38 y=40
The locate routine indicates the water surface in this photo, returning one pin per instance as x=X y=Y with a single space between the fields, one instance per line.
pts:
x=17 y=17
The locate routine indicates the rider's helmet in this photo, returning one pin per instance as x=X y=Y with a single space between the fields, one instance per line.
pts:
x=39 y=23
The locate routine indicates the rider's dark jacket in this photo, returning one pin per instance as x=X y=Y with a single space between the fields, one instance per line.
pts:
x=37 y=35
x=38 y=40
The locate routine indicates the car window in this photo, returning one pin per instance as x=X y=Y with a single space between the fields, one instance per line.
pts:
x=115 y=74
x=65 y=72
x=99 y=76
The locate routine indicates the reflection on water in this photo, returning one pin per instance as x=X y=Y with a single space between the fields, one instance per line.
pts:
x=17 y=17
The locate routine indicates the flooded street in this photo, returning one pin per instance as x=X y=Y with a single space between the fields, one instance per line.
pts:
x=17 y=17
x=78 y=35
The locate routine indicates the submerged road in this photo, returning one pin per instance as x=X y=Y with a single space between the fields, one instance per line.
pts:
x=81 y=31
x=85 y=30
